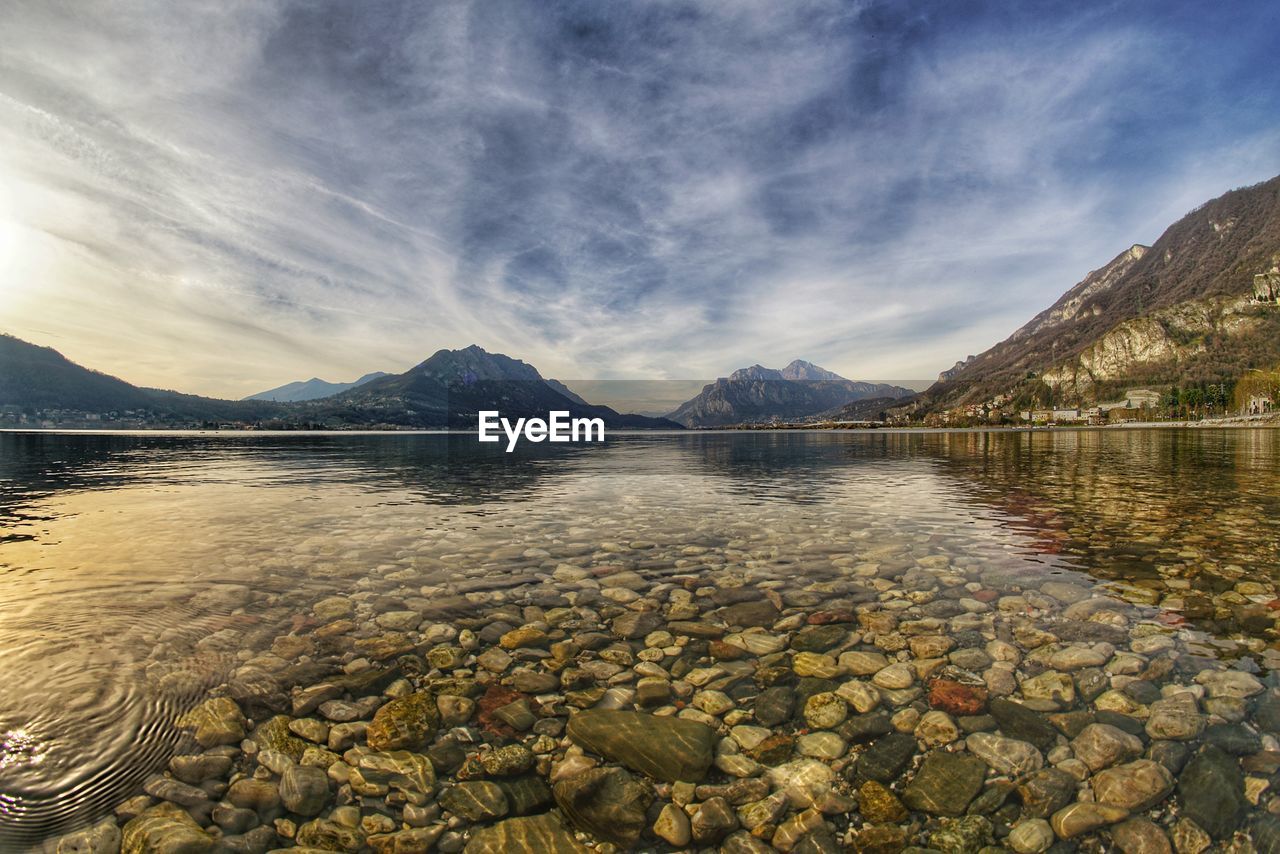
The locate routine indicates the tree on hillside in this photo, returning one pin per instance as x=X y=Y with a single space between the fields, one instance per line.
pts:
x=1257 y=383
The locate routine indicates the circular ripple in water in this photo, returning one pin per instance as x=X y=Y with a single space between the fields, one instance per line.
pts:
x=83 y=724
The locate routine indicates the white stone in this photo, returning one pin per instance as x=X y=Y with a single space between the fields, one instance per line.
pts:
x=1005 y=755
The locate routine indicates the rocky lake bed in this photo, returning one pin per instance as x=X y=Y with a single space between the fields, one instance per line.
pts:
x=918 y=703
x=885 y=669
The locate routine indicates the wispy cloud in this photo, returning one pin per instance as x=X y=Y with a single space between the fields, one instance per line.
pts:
x=226 y=196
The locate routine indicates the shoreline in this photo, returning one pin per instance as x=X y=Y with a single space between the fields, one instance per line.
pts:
x=1234 y=423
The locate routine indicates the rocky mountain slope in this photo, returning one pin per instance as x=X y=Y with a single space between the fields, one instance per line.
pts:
x=312 y=389
x=1182 y=311
x=757 y=395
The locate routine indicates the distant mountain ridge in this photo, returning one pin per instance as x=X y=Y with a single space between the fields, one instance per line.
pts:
x=758 y=394
x=1182 y=311
x=450 y=387
x=42 y=379
x=446 y=390
x=312 y=389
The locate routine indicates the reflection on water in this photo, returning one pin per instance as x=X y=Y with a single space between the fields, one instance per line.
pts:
x=1173 y=517
x=138 y=570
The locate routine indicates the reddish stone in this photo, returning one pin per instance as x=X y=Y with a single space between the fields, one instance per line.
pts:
x=337 y=627
x=1267 y=762
x=604 y=570
x=956 y=698
x=823 y=618
x=774 y=750
x=722 y=651
x=1274 y=604
x=987 y=595
x=302 y=621
x=495 y=697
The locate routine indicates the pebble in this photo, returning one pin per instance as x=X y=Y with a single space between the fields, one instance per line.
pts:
x=859 y=663
x=1136 y=786
x=1082 y=817
x=164 y=828
x=673 y=826
x=1176 y=718
x=803 y=781
x=1005 y=755
x=825 y=710
x=1031 y=836
x=945 y=783
x=1211 y=791
x=707 y=701
x=608 y=802
x=895 y=676
x=936 y=728
x=1138 y=835
x=304 y=790
x=475 y=800
x=1102 y=745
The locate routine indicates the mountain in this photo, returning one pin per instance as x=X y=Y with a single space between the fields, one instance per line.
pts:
x=41 y=386
x=867 y=409
x=801 y=370
x=1196 y=308
x=40 y=379
x=312 y=389
x=449 y=388
x=567 y=392
x=758 y=395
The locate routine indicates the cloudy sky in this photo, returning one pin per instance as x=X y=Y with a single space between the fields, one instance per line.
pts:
x=224 y=196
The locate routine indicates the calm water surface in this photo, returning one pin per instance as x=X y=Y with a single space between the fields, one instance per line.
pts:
x=140 y=570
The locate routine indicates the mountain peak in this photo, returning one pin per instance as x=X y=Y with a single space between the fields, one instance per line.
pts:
x=474 y=363
x=755 y=372
x=798 y=370
x=312 y=389
x=802 y=370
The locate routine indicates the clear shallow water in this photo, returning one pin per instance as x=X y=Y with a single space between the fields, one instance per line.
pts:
x=140 y=570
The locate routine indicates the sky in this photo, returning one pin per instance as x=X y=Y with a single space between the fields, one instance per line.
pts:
x=221 y=197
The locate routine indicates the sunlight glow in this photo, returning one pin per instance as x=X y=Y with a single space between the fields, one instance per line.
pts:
x=8 y=247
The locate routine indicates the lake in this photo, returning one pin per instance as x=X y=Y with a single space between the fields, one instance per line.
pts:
x=1117 y=584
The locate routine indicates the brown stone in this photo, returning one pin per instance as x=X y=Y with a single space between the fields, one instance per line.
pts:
x=665 y=748
x=723 y=651
x=543 y=833
x=1140 y=836
x=496 y=697
x=957 y=698
x=823 y=618
x=774 y=750
x=879 y=805
x=164 y=827
x=385 y=646
x=880 y=839
x=404 y=723
x=609 y=803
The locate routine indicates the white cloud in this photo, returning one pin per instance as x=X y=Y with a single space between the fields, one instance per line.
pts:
x=223 y=197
